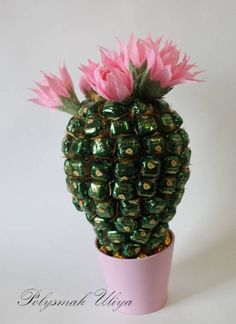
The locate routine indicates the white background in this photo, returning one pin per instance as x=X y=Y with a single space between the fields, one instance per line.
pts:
x=45 y=243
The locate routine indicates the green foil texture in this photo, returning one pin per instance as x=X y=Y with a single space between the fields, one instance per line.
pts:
x=126 y=167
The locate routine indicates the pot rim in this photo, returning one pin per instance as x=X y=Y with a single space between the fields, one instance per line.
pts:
x=141 y=259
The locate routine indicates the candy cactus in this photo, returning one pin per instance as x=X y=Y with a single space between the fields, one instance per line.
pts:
x=127 y=156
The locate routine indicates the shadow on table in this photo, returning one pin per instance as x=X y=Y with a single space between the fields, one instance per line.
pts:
x=207 y=269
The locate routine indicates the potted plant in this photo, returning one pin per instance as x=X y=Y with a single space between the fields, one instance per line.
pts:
x=127 y=160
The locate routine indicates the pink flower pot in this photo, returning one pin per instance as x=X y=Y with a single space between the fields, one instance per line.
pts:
x=143 y=281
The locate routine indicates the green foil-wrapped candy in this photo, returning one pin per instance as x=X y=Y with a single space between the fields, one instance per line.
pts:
x=77 y=203
x=163 y=106
x=140 y=235
x=177 y=119
x=128 y=147
x=77 y=187
x=116 y=237
x=146 y=187
x=174 y=143
x=150 y=166
x=123 y=190
x=125 y=224
x=152 y=244
x=168 y=184
x=101 y=170
x=89 y=108
x=74 y=168
x=146 y=125
x=130 y=208
x=113 y=247
x=183 y=177
x=140 y=108
x=131 y=250
x=127 y=165
x=167 y=123
x=184 y=136
x=66 y=145
x=75 y=127
x=102 y=235
x=90 y=216
x=98 y=190
x=185 y=157
x=174 y=199
x=155 y=205
x=171 y=164
x=80 y=148
x=155 y=144
x=106 y=209
x=114 y=110
x=160 y=230
x=92 y=127
x=80 y=189
x=150 y=221
x=120 y=127
x=87 y=204
x=101 y=223
x=125 y=169
x=102 y=147
x=167 y=215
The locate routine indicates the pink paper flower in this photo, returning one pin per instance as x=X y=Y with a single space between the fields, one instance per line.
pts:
x=146 y=65
x=135 y=51
x=52 y=89
x=111 y=80
x=84 y=85
x=166 y=67
x=163 y=62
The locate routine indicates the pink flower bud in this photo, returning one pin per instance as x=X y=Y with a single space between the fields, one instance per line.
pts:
x=51 y=90
x=111 y=80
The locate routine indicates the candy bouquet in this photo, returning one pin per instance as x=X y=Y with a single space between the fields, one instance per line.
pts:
x=127 y=154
